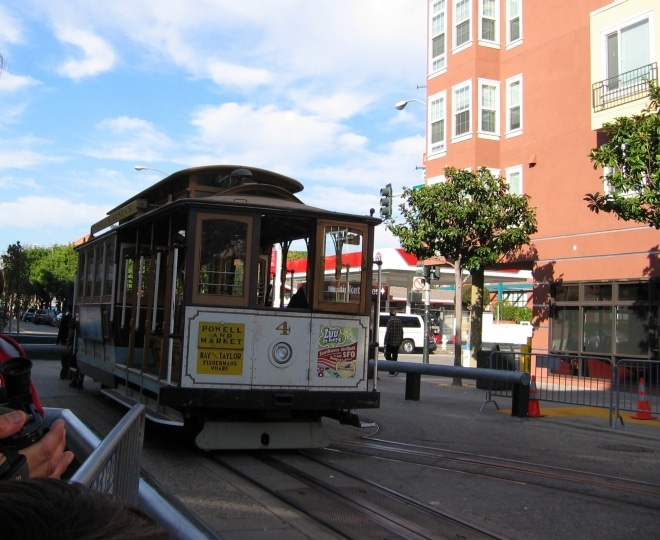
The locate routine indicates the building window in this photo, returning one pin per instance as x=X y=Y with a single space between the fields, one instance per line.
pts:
x=489 y=100
x=513 y=177
x=438 y=33
x=462 y=11
x=437 y=125
x=514 y=112
x=628 y=48
x=462 y=104
x=513 y=22
x=618 y=318
x=608 y=172
x=489 y=21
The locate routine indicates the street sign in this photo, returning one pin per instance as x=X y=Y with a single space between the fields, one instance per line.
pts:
x=419 y=283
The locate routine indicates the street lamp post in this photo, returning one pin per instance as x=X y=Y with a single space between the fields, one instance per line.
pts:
x=292 y=271
x=427 y=283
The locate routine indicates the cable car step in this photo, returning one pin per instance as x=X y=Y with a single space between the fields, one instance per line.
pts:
x=172 y=419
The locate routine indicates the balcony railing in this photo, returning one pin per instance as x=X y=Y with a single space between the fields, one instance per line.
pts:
x=625 y=88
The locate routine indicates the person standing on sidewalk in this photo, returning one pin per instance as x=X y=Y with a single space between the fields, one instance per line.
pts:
x=65 y=337
x=393 y=339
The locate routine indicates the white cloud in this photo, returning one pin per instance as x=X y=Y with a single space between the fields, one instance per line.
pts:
x=265 y=135
x=10 y=28
x=46 y=212
x=13 y=83
x=98 y=56
x=24 y=153
x=228 y=74
x=130 y=139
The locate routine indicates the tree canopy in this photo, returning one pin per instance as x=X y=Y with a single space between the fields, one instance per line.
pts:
x=52 y=273
x=39 y=274
x=16 y=269
x=631 y=162
x=471 y=218
x=472 y=221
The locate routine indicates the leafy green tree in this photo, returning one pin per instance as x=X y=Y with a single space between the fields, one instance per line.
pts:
x=52 y=273
x=472 y=221
x=509 y=312
x=297 y=255
x=16 y=269
x=38 y=293
x=631 y=158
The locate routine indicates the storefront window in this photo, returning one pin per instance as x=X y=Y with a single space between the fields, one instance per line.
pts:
x=634 y=292
x=616 y=319
x=565 y=329
x=597 y=330
x=632 y=330
x=567 y=292
x=597 y=292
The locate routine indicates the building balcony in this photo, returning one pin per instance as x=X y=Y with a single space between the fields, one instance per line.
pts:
x=624 y=88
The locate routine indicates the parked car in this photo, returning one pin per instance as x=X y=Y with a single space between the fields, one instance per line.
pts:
x=413 y=333
x=28 y=315
x=41 y=316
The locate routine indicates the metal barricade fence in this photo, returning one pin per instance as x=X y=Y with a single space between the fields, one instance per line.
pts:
x=638 y=388
x=112 y=465
x=573 y=380
x=584 y=380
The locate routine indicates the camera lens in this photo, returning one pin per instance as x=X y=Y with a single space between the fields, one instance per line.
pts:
x=16 y=372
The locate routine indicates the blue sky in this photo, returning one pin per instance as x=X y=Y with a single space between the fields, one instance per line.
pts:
x=307 y=88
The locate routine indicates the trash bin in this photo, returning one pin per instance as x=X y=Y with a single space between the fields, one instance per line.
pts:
x=483 y=361
x=495 y=360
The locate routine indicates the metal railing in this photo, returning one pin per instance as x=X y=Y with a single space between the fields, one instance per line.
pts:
x=587 y=380
x=112 y=465
x=624 y=88
x=517 y=381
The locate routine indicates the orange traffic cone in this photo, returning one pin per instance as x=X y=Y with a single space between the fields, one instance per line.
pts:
x=643 y=407
x=533 y=410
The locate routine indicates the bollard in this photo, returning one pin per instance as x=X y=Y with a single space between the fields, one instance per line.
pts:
x=413 y=386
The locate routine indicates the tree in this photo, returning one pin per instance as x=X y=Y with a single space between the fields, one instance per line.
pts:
x=631 y=159
x=52 y=273
x=472 y=221
x=16 y=270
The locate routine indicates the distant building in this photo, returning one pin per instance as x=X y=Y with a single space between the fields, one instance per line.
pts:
x=398 y=271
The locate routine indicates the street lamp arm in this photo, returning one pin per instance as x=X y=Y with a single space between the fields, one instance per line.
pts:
x=143 y=168
x=402 y=104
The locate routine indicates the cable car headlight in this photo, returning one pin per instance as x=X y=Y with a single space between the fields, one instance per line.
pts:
x=281 y=354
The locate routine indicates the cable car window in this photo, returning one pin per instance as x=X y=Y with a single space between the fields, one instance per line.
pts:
x=343 y=254
x=222 y=259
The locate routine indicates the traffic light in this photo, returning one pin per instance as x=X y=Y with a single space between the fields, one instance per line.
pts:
x=386 y=202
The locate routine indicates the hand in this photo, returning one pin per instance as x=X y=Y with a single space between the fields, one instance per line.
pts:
x=47 y=457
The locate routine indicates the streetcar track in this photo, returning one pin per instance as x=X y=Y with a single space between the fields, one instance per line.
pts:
x=346 y=503
x=596 y=485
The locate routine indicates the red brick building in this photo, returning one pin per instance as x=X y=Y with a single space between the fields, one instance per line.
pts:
x=523 y=87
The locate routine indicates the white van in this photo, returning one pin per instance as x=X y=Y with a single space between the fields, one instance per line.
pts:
x=413 y=333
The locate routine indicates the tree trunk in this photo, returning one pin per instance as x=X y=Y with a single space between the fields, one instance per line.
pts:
x=458 y=324
x=477 y=314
